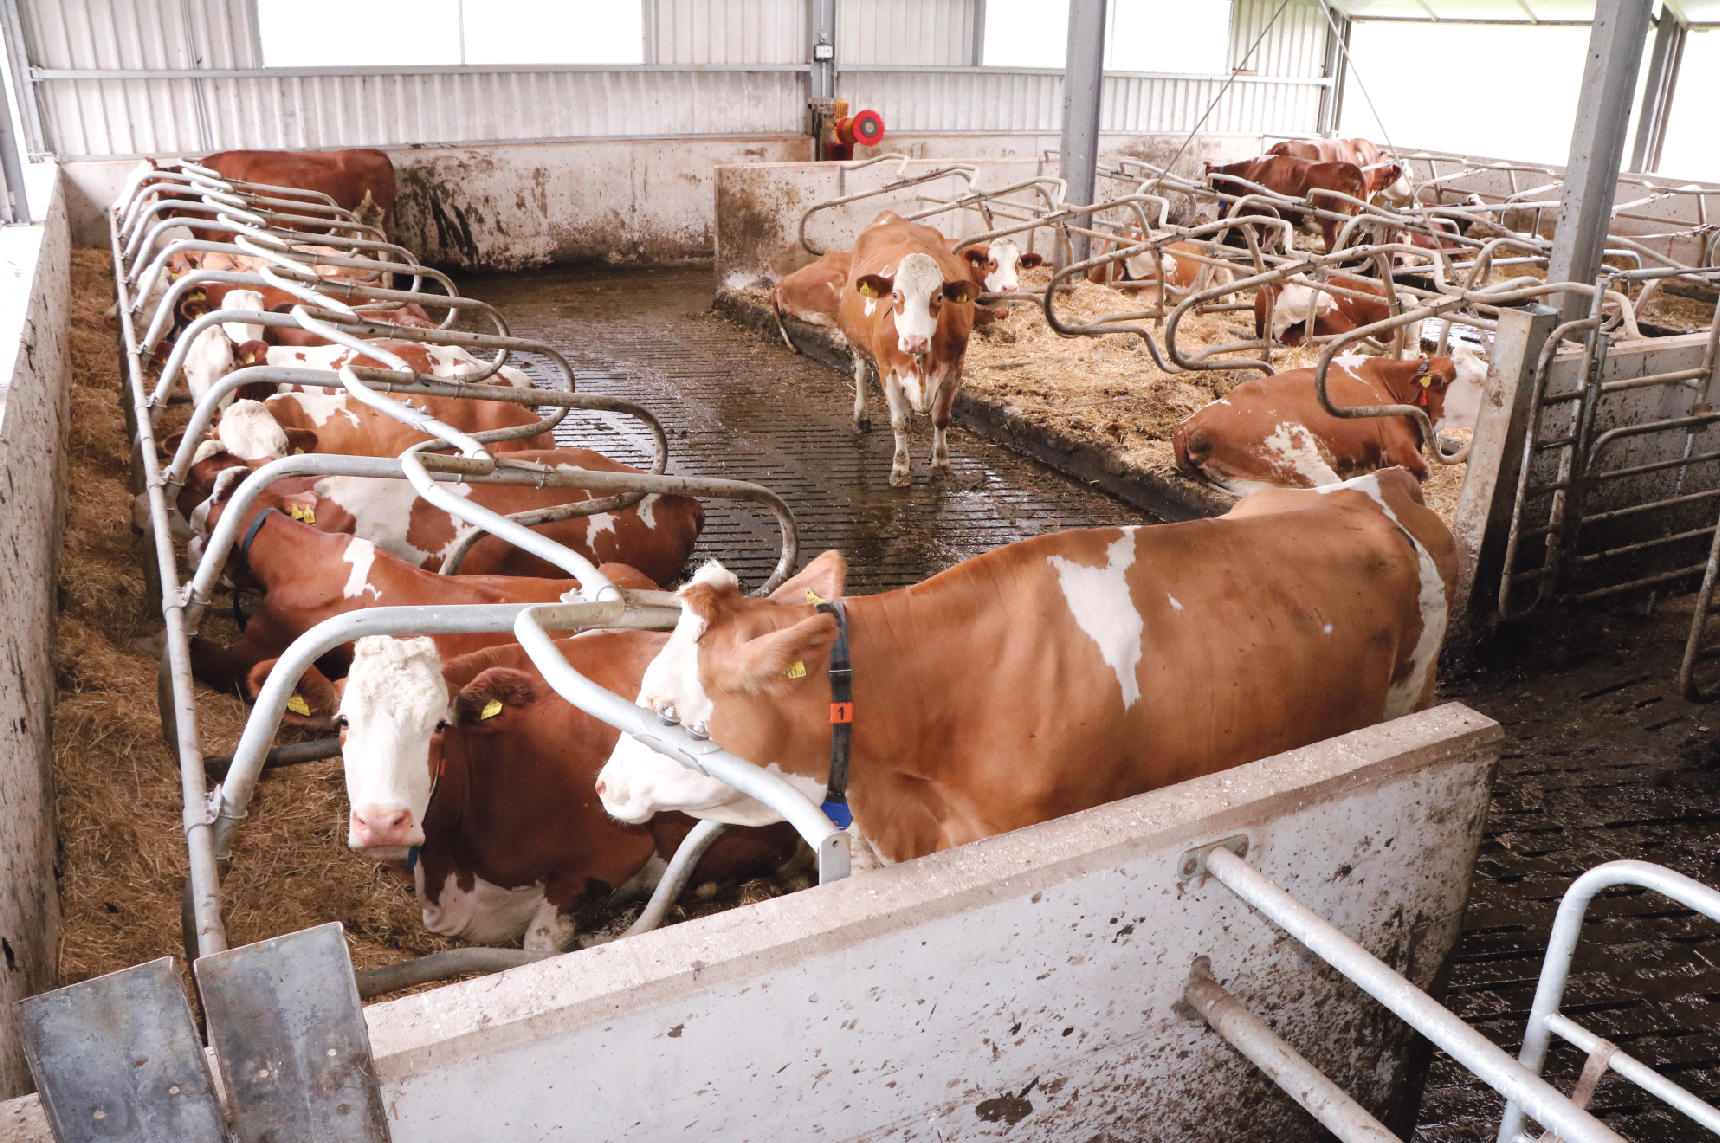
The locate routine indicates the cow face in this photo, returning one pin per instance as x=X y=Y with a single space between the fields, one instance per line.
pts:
x=1462 y=404
x=998 y=267
x=393 y=703
x=751 y=674
x=917 y=293
x=1394 y=184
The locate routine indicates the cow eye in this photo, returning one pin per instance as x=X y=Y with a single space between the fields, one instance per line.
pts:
x=441 y=725
x=340 y=721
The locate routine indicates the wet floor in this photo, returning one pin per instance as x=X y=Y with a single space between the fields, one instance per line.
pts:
x=1606 y=760
x=738 y=407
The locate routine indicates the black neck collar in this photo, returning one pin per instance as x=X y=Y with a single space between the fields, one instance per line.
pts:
x=835 y=805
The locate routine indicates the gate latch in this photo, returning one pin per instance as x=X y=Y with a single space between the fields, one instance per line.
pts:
x=1192 y=864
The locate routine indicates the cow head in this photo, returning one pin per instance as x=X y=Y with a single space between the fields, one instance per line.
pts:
x=1394 y=184
x=249 y=431
x=917 y=293
x=998 y=267
x=1461 y=404
x=389 y=709
x=752 y=673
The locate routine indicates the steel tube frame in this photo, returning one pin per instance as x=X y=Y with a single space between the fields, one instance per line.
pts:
x=1555 y=970
x=1479 y=1055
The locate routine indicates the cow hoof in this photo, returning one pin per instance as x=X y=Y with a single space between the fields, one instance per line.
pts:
x=900 y=479
x=862 y=424
x=943 y=471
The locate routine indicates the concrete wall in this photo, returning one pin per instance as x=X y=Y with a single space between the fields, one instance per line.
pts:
x=1025 y=985
x=35 y=282
x=759 y=206
x=531 y=204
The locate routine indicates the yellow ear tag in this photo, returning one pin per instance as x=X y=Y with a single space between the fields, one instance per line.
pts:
x=298 y=705
x=866 y=288
x=1426 y=382
x=813 y=596
x=491 y=709
x=297 y=450
x=300 y=512
x=798 y=671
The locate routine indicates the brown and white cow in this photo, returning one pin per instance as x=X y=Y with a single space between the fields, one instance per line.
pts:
x=361 y=180
x=1061 y=672
x=307 y=575
x=443 y=362
x=907 y=313
x=996 y=268
x=338 y=422
x=1298 y=178
x=1179 y=261
x=812 y=294
x=1271 y=432
x=1384 y=177
x=1282 y=309
x=514 y=840
x=655 y=535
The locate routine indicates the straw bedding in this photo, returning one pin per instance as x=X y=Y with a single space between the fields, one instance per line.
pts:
x=122 y=858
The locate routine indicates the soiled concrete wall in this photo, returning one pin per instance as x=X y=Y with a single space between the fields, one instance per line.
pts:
x=1027 y=985
x=759 y=205
x=529 y=204
x=35 y=282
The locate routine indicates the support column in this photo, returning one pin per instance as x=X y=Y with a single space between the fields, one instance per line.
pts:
x=1083 y=87
x=1668 y=53
x=1336 y=70
x=1597 y=145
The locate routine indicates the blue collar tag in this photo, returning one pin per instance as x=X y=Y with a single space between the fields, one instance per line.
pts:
x=412 y=858
x=839 y=813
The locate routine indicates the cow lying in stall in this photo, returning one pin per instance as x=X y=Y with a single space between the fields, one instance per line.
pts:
x=1319 y=183
x=1143 y=273
x=1282 y=309
x=907 y=312
x=360 y=180
x=307 y=575
x=655 y=535
x=508 y=837
x=1061 y=672
x=1385 y=178
x=1271 y=432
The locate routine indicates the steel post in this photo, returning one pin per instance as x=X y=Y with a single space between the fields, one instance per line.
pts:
x=1336 y=70
x=1669 y=32
x=1083 y=91
x=1597 y=145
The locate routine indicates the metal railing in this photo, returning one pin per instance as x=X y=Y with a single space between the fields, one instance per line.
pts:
x=343 y=312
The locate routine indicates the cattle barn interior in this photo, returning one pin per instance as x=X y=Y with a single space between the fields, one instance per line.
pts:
x=887 y=569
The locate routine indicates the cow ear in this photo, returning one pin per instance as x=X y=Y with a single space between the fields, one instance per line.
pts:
x=875 y=285
x=977 y=255
x=302 y=506
x=169 y=448
x=959 y=292
x=251 y=353
x=1029 y=260
x=485 y=701
x=823 y=578
x=315 y=701
x=773 y=662
x=193 y=303
x=300 y=440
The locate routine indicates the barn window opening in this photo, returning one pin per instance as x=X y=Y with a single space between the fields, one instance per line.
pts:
x=360 y=33
x=1187 y=37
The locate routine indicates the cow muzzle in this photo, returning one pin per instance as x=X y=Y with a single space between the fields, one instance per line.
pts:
x=916 y=346
x=381 y=827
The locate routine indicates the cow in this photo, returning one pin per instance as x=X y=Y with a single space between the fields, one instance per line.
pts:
x=307 y=575
x=1061 y=672
x=996 y=269
x=338 y=422
x=812 y=294
x=1297 y=178
x=411 y=316
x=441 y=362
x=656 y=535
x=361 y=181
x=1271 y=432
x=480 y=776
x=1143 y=273
x=1385 y=178
x=1281 y=309
x=907 y=312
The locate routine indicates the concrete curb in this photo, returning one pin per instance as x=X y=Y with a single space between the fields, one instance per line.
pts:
x=1167 y=497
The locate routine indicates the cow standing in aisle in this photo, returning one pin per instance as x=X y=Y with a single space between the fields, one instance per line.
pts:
x=480 y=776
x=1272 y=432
x=1385 y=178
x=907 y=312
x=1061 y=672
x=1321 y=184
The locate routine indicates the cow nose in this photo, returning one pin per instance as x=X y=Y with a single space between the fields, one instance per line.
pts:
x=601 y=787
x=915 y=344
x=1008 y=286
x=375 y=826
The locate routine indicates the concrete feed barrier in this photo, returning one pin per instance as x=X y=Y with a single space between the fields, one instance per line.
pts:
x=1028 y=984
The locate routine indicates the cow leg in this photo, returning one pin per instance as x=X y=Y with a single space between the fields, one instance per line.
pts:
x=861 y=421
x=550 y=931
x=899 y=412
x=941 y=416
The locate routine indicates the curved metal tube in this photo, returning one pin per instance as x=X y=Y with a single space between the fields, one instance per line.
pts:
x=677 y=876
x=701 y=754
x=444 y=965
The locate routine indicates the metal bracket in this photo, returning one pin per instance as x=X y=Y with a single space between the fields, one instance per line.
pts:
x=834 y=858
x=118 y=1057
x=288 y=1031
x=1192 y=863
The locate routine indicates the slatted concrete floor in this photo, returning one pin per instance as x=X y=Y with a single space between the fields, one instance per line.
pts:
x=1606 y=761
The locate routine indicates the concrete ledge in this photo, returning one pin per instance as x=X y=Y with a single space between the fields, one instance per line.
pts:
x=1029 y=980
x=1166 y=497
